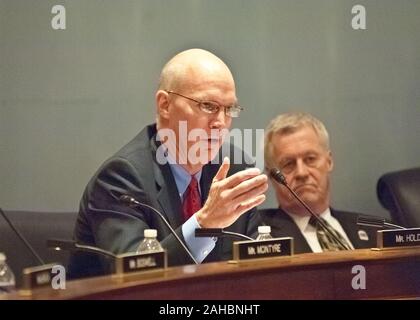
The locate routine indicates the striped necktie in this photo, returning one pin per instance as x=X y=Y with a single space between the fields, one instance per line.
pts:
x=326 y=241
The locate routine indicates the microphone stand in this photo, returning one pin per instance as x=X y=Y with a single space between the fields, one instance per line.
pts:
x=131 y=202
x=377 y=223
x=219 y=233
x=71 y=245
x=279 y=178
x=21 y=237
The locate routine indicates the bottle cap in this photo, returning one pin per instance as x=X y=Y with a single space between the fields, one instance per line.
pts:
x=2 y=257
x=264 y=229
x=150 y=233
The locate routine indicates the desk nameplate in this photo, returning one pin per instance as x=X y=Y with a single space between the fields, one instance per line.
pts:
x=39 y=276
x=138 y=262
x=398 y=238
x=276 y=247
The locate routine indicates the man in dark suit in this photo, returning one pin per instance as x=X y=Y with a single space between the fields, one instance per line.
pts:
x=174 y=166
x=298 y=144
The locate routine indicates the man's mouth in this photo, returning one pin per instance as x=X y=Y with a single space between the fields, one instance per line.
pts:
x=303 y=187
x=213 y=141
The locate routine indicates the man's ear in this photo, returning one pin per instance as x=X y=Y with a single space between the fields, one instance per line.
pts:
x=330 y=161
x=162 y=104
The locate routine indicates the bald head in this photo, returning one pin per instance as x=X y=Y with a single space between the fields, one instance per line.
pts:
x=191 y=76
x=185 y=70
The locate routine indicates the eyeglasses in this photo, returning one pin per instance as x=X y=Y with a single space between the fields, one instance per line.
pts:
x=212 y=107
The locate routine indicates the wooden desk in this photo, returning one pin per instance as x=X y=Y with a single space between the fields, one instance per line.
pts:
x=389 y=274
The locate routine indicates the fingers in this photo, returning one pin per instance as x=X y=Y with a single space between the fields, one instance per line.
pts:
x=251 y=193
x=245 y=186
x=240 y=176
x=223 y=170
x=248 y=205
x=229 y=197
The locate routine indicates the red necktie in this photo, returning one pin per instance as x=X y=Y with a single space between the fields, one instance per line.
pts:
x=192 y=199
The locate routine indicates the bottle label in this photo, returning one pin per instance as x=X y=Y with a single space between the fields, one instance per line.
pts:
x=257 y=249
x=137 y=262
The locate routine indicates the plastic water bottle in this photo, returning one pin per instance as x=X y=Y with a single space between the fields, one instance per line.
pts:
x=149 y=243
x=264 y=233
x=7 y=278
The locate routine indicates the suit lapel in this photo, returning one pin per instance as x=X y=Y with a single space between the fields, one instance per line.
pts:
x=359 y=236
x=167 y=196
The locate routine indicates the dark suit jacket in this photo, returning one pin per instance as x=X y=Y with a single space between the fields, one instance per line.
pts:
x=282 y=225
x=105 y=223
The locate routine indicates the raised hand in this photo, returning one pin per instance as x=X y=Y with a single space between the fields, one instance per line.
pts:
x=230 y=197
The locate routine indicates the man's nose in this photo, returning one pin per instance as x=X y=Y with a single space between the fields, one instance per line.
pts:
x=301 y=169
x=219 y=120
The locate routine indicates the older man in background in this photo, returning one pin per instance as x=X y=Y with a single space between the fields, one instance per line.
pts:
x=298 y=144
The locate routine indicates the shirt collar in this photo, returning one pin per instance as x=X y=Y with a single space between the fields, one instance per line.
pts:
x=302 y=221
x=181 y=176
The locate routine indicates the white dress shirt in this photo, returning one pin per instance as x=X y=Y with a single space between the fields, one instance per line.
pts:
x=199 y=247
x=309 y=231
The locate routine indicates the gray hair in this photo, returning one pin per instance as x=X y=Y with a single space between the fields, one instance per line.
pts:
x=288 y=123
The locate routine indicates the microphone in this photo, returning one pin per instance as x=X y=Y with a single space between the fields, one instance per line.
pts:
x=22 y=238
x=71 y=245
x=280 y=178
x=219 y=233
x=131 y=202
x=377 y=222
